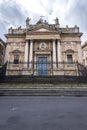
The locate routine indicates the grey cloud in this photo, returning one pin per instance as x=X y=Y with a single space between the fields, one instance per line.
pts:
x=11 y=14
x=78 y=15
x=48 y=8
x=81 y=12
x=3 y=29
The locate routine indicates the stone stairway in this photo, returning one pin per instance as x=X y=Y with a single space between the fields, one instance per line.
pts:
x=43 y=79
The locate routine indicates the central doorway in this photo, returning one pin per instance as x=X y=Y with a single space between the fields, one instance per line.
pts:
x=42 y=66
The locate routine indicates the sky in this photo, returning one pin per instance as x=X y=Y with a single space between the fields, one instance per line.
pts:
x=69 y=12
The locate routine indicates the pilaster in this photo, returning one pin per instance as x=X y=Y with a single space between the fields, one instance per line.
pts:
x=26 y=54
x=31 y=53
x=54 y=54
x=59 y=51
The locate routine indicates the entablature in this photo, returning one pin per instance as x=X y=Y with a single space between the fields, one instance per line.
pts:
x=42 y=36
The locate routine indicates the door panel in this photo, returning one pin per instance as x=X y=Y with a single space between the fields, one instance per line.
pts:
x=42 y=66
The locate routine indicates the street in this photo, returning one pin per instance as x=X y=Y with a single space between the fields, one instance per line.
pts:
x=43 y=113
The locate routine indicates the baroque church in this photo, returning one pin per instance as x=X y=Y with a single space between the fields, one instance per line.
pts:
x=43 y=49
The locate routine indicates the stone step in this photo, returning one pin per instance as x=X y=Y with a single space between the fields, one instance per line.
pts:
x=43 y=80
x=44 y=92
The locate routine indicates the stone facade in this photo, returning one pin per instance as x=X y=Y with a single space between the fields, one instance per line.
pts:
x=2 y=52
x=43 y=49
x=84 y=53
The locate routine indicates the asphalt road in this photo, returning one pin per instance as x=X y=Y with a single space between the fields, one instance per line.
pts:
x=43 y=113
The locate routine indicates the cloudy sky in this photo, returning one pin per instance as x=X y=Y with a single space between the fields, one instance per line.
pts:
x=70 y=12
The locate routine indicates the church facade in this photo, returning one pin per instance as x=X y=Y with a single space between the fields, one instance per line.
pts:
x=43 y=49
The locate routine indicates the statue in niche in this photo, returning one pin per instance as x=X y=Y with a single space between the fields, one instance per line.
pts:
x=27 y=21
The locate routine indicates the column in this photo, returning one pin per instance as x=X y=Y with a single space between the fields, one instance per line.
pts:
x=79 y=52
x=31 y=53
x=59 y=51
x=54 y=54
x=26 y=54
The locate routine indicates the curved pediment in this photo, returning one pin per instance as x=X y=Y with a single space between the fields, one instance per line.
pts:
x=69 y=51
x=16 y=51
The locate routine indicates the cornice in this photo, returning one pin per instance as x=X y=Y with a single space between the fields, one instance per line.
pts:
x=14 y=35
x=71 y=34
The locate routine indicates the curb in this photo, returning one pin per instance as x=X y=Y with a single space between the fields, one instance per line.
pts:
x=43 y=92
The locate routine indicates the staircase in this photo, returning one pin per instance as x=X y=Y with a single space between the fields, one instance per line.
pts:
x=42 y=79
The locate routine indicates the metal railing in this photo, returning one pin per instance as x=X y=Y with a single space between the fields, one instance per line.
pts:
x=82 y=70
x=50 y=67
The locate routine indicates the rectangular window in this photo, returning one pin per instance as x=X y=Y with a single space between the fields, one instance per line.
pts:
x=16 y=59
x=69 y=59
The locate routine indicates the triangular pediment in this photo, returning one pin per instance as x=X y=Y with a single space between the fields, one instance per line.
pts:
x=42 y=28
